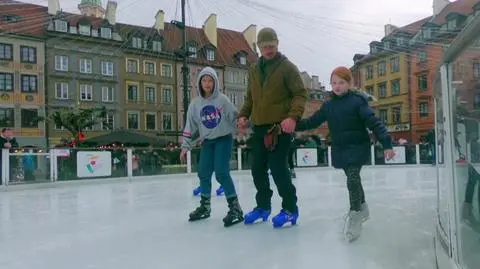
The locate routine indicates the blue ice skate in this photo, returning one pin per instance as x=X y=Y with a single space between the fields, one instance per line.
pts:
x=284 y=217
x=220 y=191
x=196 y=191
x=256 y=214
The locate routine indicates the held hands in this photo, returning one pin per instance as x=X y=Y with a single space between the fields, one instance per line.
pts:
x=288 y=125
x=183 y=154
x=7 y=145
x=242 y=124
x=389 y=154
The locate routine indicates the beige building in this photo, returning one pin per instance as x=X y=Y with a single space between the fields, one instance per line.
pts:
x=22 y=82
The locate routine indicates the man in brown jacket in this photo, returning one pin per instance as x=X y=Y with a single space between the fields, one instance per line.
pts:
x=275 y=100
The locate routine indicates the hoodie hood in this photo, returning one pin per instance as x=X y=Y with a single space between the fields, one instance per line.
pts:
x=210 y=72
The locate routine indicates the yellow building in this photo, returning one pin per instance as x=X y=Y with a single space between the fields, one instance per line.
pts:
x=22 y=88
x=383 y=73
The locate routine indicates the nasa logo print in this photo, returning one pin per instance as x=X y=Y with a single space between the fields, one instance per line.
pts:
x=211 y=116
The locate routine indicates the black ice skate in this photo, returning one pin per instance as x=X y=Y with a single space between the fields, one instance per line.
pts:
x=203 y=211
x=235 y=213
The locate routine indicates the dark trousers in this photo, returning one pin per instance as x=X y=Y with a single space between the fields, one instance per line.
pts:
x=215 y=157
x=355 y=188
x=291 y=155
x=277 y=161
x=473 y=179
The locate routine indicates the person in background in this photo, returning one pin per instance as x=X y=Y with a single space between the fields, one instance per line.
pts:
x=7 y=141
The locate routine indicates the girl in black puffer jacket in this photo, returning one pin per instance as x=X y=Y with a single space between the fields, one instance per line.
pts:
x=349 y=115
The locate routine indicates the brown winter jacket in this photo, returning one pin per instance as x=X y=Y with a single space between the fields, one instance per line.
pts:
x=275 y=92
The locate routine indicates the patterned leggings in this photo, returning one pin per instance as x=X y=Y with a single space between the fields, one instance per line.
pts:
x=355 y=188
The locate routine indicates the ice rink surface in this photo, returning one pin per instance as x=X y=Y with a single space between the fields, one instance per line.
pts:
x=143 y=225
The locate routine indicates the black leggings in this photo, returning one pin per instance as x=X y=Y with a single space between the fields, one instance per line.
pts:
x=473 y=179
x=355 y=188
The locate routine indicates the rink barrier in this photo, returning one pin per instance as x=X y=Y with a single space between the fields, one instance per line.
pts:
x=100 y=163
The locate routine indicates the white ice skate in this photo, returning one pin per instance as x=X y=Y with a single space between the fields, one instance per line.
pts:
x=365 y=212
x=353 y=225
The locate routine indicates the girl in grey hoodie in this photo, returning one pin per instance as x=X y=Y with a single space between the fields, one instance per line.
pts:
x=213 y=116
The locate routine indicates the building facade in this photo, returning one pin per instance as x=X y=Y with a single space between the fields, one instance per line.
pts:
x=147 y=89
x=83 y=69
x=22 y=80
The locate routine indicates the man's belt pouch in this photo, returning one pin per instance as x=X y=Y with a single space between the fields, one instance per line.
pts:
x=271 y=138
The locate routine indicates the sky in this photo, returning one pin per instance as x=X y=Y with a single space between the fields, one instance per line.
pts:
x=317 y=35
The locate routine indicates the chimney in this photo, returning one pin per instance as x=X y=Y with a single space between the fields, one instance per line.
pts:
x=111 y=13
x=210 y=29
x=160 y=20
x=53 y=7
x=389 y=28
x=250 y=34
x=439 y=5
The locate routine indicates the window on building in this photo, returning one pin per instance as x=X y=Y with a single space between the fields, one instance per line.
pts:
x=28 y=54
x=422 y=56
x=106 y=32
x=132 y=93
x=243 y=60
x=423 y=109
x=167 y=121
x=84 y=29
x=395 y=87
x=108 y=123
x=149 y=68
x=29 y=118
x=107 y=94
x=476 y=102
x=6 y=82
x=166 y=70
x=452 y=24
x=167 y=96
x=369 y=90
x=157 y=46
x=476 y=69
x=395 y=64
x=29 y=83
x=383 y=115
x=422 y=82
x=61 y=63
x=369 y=72
x=107 y=68
x=7 y=117
x=381 y=68
x=6 y=52
x=150 y=95
x=61 y=26
x=382 y=90
x=210 y=55
x=396 y=114
x=132 y=66
x=86 y=92
x=137 y=42
x=192 y=52
x=86 y=66
x=61 y=90
x=133 y=119
x=150 y=121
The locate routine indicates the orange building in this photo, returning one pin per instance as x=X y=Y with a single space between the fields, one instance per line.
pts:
x=425 y=59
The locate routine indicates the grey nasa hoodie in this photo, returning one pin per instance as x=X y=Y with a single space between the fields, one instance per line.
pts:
x=209 y=117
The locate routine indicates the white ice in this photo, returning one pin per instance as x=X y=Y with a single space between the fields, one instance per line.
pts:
x=143 y=225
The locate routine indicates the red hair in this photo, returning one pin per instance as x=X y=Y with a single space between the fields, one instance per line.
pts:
x=343 y=73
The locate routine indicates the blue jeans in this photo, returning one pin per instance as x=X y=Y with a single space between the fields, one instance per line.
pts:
x=215 y=157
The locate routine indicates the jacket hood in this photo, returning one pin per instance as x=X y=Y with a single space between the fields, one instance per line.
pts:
x=210 y=72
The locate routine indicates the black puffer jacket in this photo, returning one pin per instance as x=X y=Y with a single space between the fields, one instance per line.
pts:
x=348 y=118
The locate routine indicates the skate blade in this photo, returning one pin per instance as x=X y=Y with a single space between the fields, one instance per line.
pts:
x=197 y=219
x=233 y=222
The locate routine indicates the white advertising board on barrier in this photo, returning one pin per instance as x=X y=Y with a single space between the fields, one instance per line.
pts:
x=94 y=163
x=400 y=156
x=307 y=157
